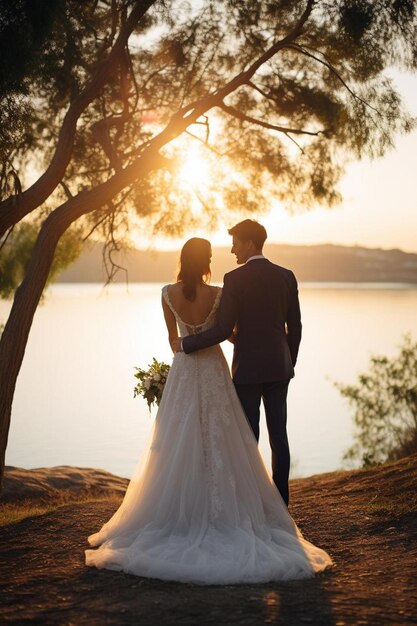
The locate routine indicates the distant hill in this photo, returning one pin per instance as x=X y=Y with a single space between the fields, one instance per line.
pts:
x=316 y=263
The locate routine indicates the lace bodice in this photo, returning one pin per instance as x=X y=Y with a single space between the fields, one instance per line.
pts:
x=193 y=329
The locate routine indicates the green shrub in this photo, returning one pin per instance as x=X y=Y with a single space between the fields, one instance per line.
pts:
x=385 y=403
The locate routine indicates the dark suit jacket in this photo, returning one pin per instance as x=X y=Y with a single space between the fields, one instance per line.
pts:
x=260 y=299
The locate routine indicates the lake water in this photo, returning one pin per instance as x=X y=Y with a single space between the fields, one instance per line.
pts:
x=74 y=400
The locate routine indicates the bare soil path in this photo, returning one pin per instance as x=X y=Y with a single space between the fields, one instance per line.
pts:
x=366 y=519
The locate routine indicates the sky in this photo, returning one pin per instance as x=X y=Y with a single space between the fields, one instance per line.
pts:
x=379 y=206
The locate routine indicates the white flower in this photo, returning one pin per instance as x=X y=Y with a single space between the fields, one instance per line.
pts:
x=151 y=382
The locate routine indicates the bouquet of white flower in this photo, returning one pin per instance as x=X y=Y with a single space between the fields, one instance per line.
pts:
x=151 y=382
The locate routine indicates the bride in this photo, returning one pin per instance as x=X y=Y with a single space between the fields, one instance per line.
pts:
x=201 y=506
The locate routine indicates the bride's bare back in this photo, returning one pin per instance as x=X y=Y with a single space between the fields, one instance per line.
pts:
x=193 y=313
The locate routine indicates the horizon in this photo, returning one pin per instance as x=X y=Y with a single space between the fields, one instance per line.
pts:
x=153 y=250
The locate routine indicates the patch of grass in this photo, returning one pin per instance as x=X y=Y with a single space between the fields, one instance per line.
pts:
x=395 y=508
x=14 y=512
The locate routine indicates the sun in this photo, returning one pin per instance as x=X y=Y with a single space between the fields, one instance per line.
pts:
x=194 y=171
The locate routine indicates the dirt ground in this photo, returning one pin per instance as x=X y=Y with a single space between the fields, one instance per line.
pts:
x=366 y=520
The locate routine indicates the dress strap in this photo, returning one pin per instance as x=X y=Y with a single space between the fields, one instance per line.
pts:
x=169 y=303
x=216 y=302
x=218 y=296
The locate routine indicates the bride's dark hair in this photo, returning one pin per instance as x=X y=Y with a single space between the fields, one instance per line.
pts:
x=194 y=266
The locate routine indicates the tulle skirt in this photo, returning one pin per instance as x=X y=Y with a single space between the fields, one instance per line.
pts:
x=201 y=506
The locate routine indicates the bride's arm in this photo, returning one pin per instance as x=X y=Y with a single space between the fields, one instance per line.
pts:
x=171 y=323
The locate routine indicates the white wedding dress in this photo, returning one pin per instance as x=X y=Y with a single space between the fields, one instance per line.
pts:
x=201 y=506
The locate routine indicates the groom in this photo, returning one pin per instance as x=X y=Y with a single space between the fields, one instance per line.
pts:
x=260 y=308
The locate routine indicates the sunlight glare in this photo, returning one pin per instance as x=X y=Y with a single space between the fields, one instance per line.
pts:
x=194 y=171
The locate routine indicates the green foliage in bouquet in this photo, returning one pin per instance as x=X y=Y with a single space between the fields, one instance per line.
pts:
x=151 y=382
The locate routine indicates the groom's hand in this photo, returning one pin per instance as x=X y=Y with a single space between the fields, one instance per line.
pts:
x=177 y=344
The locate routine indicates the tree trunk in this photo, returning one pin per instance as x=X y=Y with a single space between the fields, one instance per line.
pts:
x=16 y=331
x=15 y=335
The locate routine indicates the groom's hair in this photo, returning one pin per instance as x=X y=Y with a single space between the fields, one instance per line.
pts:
x=249 y=230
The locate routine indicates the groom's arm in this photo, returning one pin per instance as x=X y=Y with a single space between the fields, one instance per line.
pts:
x=226 y=318
x=294 y=321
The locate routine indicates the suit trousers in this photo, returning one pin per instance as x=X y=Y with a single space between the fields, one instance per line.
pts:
x=274 y=396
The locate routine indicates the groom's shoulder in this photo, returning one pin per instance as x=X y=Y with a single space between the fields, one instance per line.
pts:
x=285 y=275
x=282 y=270
x=236 y=273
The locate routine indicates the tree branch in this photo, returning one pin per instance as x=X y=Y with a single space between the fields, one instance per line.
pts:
x=282 y=129
x=17 y=206
x=329 y=66
x=258 y=89
x=197 y=108
x=206 y=144
x=301 y=149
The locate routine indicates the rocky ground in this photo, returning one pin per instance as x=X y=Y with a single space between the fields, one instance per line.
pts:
x=366 y=520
